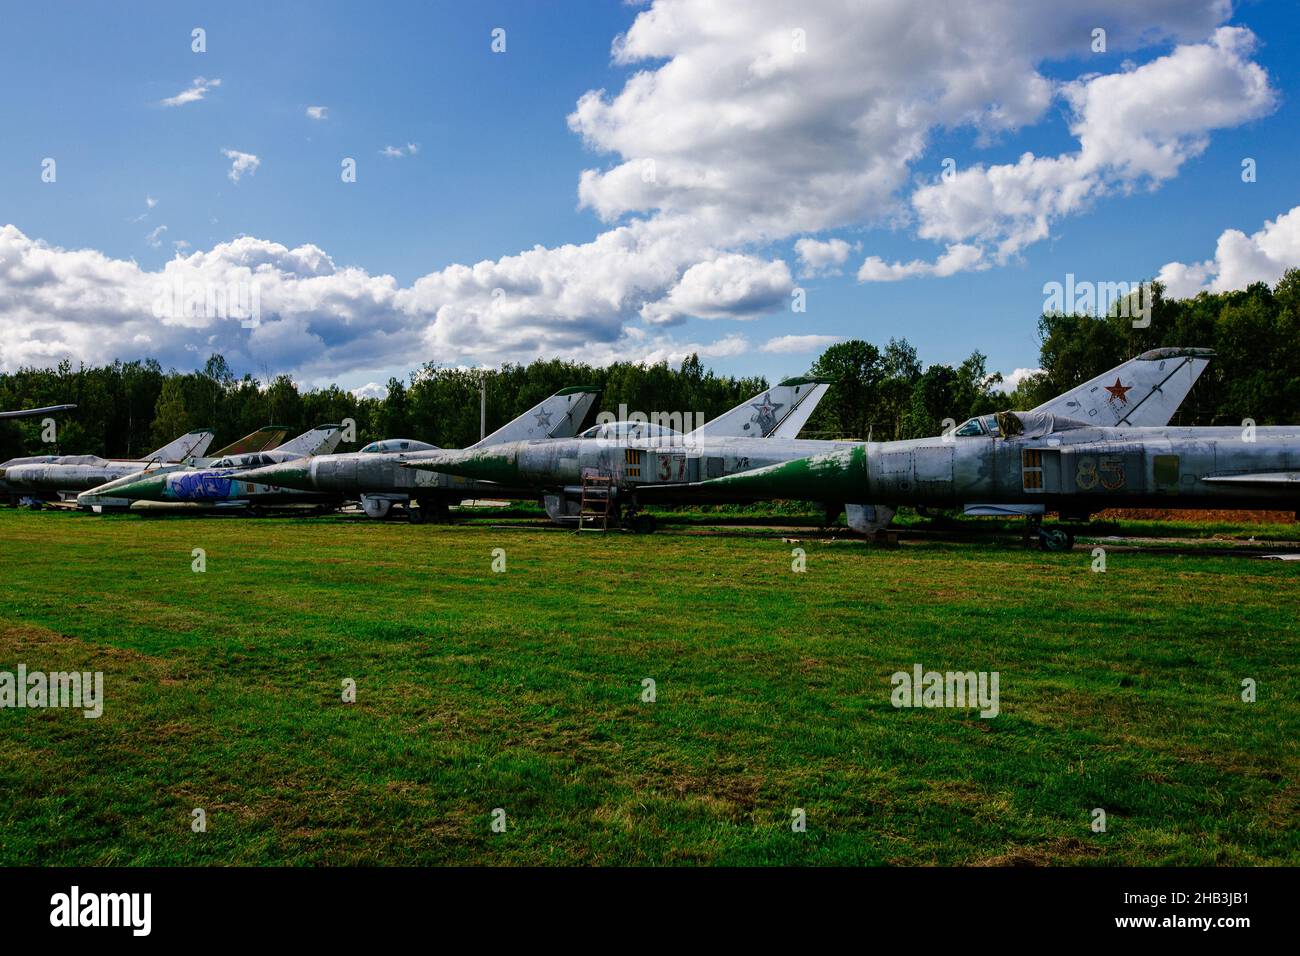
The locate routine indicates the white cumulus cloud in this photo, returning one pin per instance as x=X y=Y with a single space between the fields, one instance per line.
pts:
x=796 y=344
x=959 y=258
x=1011 y=380
x=1133 y=128
x=1239 y=259
x=821 y=257
x=732 y=286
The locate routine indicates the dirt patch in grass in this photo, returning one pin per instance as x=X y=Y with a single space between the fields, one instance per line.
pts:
x=1055 y=851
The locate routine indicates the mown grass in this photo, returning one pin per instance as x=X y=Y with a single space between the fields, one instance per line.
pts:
x=522 y=690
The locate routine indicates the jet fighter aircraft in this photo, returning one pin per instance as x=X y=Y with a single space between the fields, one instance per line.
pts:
x=679 y=469
x=380 y=478
x=49 y=477
x=1064 y=464
x=208 y=483
x=375 y=476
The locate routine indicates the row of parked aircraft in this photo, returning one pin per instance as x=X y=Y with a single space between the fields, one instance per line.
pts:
x=1105 y=444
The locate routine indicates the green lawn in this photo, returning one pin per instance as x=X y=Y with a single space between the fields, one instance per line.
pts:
x=522 y=690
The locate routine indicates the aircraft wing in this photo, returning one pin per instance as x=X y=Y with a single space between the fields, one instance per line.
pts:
x=30 y=412
x=839 y=475
x=1003 y=511
x=1266 y=478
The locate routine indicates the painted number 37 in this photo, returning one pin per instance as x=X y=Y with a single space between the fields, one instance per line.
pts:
x=670 y=463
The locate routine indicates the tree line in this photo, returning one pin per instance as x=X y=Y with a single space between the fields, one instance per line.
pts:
x=127 y=409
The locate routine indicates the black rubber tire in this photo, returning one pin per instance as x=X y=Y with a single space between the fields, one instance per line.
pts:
x=415 y=513
x=1055 y=540
x=645 y=524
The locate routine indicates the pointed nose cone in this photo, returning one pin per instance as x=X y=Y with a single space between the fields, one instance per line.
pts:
x=836 y=476
x=285 y=474
x=144 y=488
x=497 y=464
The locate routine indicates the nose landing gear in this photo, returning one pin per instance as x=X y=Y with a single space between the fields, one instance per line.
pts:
x=637 y=521
x=1055 y=539
x=1047 y=539
x=420 y=511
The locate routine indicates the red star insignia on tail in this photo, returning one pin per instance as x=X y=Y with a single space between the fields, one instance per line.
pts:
x=1118 y=392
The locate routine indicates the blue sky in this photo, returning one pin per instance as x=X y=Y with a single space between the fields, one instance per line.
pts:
x=497 y=172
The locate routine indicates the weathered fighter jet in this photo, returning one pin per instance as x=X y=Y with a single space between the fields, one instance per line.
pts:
x=777 y=411
x=49 y=477
x=208 y=482
x=1064 y=464
x=375 y=476
x=677 y=469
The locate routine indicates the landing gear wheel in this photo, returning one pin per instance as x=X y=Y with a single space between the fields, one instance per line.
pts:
x=644 y=524
x=415 y=513
x=1054 y=539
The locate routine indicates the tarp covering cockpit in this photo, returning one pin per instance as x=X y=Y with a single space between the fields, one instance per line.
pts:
x=1033 y=424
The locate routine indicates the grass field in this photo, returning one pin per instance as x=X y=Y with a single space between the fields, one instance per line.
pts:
x=522 y=690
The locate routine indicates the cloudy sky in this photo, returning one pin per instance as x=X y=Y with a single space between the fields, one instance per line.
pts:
x=751 y=180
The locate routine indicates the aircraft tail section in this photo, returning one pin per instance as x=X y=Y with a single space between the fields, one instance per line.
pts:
x=189 y=445
x=777 y=412
x=559 y=416
x=321 y=440
x=1145 y=391
x=260 y=440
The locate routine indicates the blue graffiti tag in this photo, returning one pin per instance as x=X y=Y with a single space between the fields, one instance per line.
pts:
x=201 y=486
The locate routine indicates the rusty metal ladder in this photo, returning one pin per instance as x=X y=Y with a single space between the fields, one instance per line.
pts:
x=597 y=502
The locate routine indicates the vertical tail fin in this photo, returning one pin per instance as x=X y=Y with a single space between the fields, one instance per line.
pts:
x=321 y=440
x=778 y=412
x=260 y=440
x=559 y=416
x=189 y=445
x=1145 y=391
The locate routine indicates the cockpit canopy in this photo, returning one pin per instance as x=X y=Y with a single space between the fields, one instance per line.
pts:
x=1016 y=424
x=244 y=461
x=629 y=430
x=397 y=445
x=974 y=427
